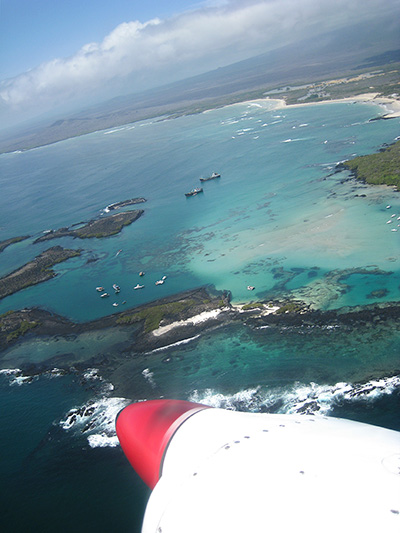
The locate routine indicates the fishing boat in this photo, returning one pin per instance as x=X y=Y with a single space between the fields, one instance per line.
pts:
x=194 y=191
x=212 y=177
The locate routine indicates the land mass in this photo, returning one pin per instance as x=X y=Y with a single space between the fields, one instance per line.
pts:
x=99 y=228
x=35 y=271
x=124 y=203
x=144 y=319
x=324 y=69
x=179 y=318
x=382 y=168
x=7 y=242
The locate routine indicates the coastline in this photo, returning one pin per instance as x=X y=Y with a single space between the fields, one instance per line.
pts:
x=389 y=104
x=266 y=318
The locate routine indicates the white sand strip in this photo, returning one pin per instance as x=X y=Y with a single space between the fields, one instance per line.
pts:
x=192 y=321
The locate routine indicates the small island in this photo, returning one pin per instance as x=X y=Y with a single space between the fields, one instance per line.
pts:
x=382 y=168
x=36 y=271
x=7 y=242
x=124 y=203
x=98 y=228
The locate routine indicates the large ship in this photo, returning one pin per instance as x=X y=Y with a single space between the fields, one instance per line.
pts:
x=212 y=177
x=194 y=191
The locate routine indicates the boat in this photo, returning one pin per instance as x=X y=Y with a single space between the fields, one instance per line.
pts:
x=115 y=304
x=100 y=289
x=250 y=288
x=138 y=286
x=212 y=177
x=105 y=295
x=141 y=273
x=116 y=287
x=160 y=282
x=194 y=191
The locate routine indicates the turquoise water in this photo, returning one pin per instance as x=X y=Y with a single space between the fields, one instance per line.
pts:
x=279 y=219
x=276 y=206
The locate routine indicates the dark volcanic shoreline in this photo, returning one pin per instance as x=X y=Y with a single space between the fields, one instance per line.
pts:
x=13 y=240
x=97 y=228
x=166 y=322
x=36 y=271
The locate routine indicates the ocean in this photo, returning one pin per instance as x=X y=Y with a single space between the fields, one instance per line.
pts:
x=279 y=219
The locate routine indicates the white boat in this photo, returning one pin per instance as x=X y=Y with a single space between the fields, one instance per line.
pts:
x=100 y=289
x=250 y=288
x=116 y=287
x=160 y=282
x=115 y=304
x=138 y=286
x=104 y=295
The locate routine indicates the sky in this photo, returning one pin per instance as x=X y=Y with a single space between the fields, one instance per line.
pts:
x=57 y=54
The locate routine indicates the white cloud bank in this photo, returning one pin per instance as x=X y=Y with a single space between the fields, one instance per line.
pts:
x=160 y=51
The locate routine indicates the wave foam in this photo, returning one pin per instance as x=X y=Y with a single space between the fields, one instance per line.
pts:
x=300 y=398
x=97 y=420
x=174 y=344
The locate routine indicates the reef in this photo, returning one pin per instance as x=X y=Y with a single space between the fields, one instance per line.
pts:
x=98 y=228
x=36 y=271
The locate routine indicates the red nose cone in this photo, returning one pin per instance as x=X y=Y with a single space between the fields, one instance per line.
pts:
x=144 y=430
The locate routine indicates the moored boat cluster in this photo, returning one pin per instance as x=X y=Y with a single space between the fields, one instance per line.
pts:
x=117 y=288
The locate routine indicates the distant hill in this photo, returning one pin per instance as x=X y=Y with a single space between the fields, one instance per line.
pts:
x=338 y=53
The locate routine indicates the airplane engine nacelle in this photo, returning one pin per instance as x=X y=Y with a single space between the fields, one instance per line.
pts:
x=225 y=471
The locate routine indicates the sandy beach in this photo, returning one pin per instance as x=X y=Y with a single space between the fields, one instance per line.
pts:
x=390 y=105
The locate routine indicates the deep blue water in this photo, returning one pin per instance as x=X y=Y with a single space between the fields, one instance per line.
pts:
x=278 y=219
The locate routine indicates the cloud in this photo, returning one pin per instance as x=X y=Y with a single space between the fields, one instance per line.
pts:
x=191 y=42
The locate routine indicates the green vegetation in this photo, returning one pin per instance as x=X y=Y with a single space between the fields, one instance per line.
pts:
x=152 y=316
x=290 y=307
x=24 y=326
x=382 y=168
x=252 y=305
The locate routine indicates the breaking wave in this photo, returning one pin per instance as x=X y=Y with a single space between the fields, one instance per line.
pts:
x=96 y=420
x=300 y=398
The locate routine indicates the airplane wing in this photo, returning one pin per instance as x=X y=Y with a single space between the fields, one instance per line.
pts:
x=214 y=470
